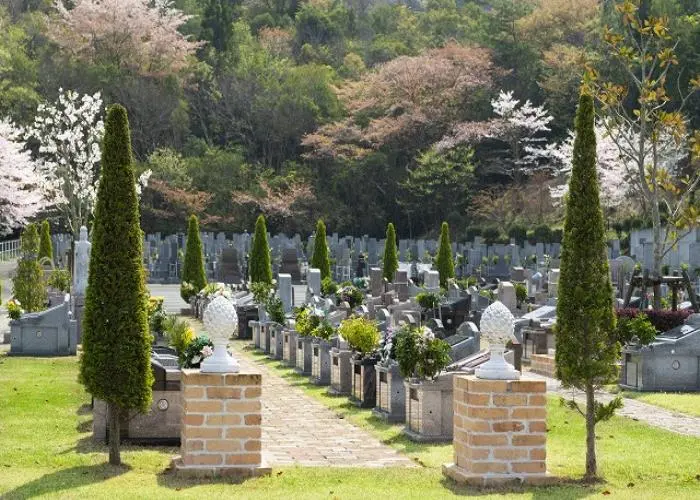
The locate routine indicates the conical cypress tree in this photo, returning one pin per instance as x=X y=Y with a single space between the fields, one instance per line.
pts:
x=586 y=349
x=45 y=245
x=116 y=362
x=445 y=263
x=391 y=258
x=193 y=267
x=28 y=285
x=320 y=259
x=260 y=267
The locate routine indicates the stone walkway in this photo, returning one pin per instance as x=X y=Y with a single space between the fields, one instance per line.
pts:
x=298 y=430
x=654 y=416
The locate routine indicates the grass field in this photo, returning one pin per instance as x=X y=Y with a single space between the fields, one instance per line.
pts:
x=46 y=451
x=681 y=402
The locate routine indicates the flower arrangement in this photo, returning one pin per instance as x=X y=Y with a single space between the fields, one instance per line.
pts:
x=213 y=290
x=196 y=352
x=14 y=309
x=187 y=291
x=60 y=280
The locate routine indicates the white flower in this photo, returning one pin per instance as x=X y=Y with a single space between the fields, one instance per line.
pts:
x=207 y=351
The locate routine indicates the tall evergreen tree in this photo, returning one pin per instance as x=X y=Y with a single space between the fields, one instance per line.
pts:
x=586 y=348
x=445 y=263
x=320 y=259
x=116 y=362
x=217 y=22
x=391 y=258
x=260 y=267
x=28 y=285
x=45 y=245
x=193 y=272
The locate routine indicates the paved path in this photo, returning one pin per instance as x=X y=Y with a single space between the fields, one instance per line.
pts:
x=655 y=416
x=298 y=430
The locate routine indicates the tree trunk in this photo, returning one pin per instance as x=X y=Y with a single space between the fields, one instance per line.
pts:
x=591 y=464
x=658 y=247
x=114 y=434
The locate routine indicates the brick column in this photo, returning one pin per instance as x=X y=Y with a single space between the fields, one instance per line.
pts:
x=499 y=431
x=221 y=425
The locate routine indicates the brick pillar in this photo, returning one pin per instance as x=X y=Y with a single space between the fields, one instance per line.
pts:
x=499 y=431
x=221 y=425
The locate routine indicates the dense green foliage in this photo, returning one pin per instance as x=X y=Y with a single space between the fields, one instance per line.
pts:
x=305 y=322
x=116 y=362
x=586 y=344
x=28 y=286
x=45 y=244
x=635 y=330
x=179 y=334
x=194 y=277
x=260 y=268
x=361 y=334
x=445 y=263
x=420 y=354
x=60 y=280
x=321 y=259
x=391 y=254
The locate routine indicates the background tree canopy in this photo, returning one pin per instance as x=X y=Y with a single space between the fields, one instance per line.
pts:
x=353 y=112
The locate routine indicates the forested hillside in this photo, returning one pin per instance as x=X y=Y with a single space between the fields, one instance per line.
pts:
x=358 y=112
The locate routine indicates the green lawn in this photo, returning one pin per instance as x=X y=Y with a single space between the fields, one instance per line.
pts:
x=46 y=450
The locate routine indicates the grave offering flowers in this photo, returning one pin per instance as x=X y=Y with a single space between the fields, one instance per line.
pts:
x=198 y=350
x=352 y=295
x=14 y=309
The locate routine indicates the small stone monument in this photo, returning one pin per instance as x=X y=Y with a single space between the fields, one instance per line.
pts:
x=285 y=291
x=81 y=266
x=313 y=281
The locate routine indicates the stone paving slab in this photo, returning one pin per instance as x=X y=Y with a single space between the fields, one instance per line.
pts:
x=652 y=415
x=298 y=430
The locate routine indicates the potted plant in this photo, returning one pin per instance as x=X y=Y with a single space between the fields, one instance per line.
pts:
x=363 y=337
x=321 y=353
x=421 y=358
x=305 y=321
x=391 y=393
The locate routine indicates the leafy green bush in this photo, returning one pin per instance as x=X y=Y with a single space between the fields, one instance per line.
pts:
x=465 y=283
x=428 y=300
x=60 y=280
x=352 y=295
x=361 y=334
x=491 y=235
x=472 y=232
x=261 y=291
x=518 y=233
x=305 y=321
x=324 y=330
x=420 y=354
x=275 y=309
x=637 y=329
x=196 y=352
x=328 y=287
x=543 y=234
x=520 y=293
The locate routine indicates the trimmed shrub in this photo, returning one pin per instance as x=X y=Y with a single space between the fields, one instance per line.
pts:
x=361 y=334
x=472 y=232
x=445 y=263
x=116 y=362
x=194 y=278
x=260 y=266
x=518 y=233
x=28 y=285
x=320 y=259
x=543 y=234
x=45 y=245
x=491 y=235
x=391 y=257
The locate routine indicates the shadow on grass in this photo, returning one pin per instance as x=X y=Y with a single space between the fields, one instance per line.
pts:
x=84 y=409
x=84 y=426
x=67 y=479
x=561 y=489
x=169 y=479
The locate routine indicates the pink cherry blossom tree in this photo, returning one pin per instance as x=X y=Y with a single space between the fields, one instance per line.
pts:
x=20 y=194
x=131 y=34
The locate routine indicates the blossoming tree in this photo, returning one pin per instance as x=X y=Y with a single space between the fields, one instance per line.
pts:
x=20 y=195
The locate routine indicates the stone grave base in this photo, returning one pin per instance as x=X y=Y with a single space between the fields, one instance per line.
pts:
x=422 y=438
x=387 y=417
x=460 y=475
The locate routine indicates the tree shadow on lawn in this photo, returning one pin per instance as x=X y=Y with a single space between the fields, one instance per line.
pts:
x=169 y=479
x=67 y=479
x=560 y=489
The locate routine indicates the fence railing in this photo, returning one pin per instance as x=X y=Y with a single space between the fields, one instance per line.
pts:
x=9 y=250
